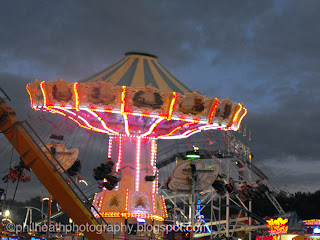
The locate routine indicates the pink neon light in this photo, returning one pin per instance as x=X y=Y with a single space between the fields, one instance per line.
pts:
x=152 y=127
x=138 y=152
x=119 y=154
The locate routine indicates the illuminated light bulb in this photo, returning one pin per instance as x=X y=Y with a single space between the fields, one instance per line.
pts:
x=6 y=213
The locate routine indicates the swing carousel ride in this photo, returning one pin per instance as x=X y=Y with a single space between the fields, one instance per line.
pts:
x=136 y=101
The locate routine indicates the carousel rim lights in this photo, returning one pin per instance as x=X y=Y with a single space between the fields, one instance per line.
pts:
x=236 y=119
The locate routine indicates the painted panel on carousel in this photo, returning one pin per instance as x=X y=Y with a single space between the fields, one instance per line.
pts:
x=59 y=93
x=100 y=95
x=225 y=112
x=193 y=105
x=147 y=100
x=139 y=202
x=115 y=201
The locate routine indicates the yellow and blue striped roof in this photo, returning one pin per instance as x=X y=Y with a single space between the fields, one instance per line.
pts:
x=139 y=69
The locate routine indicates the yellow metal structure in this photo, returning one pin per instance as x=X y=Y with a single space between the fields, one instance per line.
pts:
x=33 y=156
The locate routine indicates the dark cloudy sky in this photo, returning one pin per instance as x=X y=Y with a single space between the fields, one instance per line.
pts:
x=265 y=54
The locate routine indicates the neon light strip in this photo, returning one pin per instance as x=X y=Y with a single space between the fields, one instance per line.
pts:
x=130 y=215
x=68 y=111
x=99 y=110
x=175 y=129
x=241 y=119
x=92 y=127
x=110 y=147
x=171 y=105
x=127 y=196
x=73 y=119
x=44 y=94
x=102 y=122
x=119 y=154
x=212 y=126
x=236 y=115
x=184 y=135
x=76 y=93
x=189 y=120
x=138 y=152
x=31 y=99
x=213 y=110
x=58 y=112
x=123 y=102
x=152 y=127
x=126 y=124
x=153 y=163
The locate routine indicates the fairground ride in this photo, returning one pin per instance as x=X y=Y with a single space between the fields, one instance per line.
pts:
x=224 y=213
x=135 y=101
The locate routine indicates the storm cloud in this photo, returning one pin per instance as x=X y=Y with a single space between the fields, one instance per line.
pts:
x=264 y=54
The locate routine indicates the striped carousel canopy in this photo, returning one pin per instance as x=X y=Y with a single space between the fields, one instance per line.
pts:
x=138 y=70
